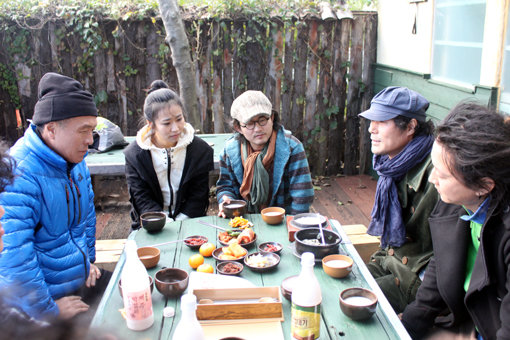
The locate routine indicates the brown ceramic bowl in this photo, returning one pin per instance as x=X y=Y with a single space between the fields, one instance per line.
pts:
x=358 y=303
x=287 y=286
x=244 y=245
x=219 y=251
x=149 y=256
x=273 y=215
x=120 y=285
x=195 y=245
x=235 y=268
x=153 y=221
x=171 y=282
x=337 y=266
x=271 y=260
x=278 y=246
x=235 y=208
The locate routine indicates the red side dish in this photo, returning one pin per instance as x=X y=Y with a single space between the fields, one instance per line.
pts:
x=195 y=241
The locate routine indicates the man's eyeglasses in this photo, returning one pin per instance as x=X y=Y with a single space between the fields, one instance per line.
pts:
x=262 y=121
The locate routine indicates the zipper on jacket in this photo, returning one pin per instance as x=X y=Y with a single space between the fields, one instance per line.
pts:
x=79 y=199
x=168 y=169
x=68 y=208
x=79 y=218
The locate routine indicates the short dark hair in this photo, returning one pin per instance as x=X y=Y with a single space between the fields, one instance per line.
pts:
x=160 y=96
x=477 y=141
x=422 y=128
x=6 y=168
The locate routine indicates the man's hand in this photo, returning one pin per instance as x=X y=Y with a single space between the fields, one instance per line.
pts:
x=226 y=200
x=69 y=306
x=94 y=274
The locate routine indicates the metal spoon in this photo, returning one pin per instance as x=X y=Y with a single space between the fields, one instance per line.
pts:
x=211 y=225
x=320 y=228
x=161 y=244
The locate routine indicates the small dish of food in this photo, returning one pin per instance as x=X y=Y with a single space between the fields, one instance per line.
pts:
x=195 y=241
x=262 y=261
x=271 y=247
x=229 y=268
x=246 y=238
x=309 y=220
x=240 y=223
x=233 y=252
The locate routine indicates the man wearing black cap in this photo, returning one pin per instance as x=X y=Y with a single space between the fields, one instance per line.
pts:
x=49 y=216
x=401 y=144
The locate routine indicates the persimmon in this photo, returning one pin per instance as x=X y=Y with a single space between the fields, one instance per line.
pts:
x=195 y=261
x=207 y=249
x=205 y=268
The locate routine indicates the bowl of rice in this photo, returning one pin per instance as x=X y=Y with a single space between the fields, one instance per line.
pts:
x=309 y=240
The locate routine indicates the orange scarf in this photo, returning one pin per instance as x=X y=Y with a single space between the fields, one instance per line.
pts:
x=249 y=163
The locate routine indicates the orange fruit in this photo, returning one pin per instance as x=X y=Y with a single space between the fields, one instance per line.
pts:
x=207 y=249
x=205 y=268
x=195 y=261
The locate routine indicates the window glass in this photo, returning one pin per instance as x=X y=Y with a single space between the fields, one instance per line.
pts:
x=504 y=104
x=458 y=40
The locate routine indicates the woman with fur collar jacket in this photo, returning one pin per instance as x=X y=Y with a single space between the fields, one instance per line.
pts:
x=167 y=167
x=468 y=278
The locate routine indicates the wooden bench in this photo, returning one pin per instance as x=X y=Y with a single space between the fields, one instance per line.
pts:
x=365 y=244
x=108 y=253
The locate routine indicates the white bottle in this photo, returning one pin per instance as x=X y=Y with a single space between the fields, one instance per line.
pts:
x=188 y=327
x=306 y=302
x=136 y=290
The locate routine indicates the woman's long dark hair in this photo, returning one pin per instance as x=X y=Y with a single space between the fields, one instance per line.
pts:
x=477 y=141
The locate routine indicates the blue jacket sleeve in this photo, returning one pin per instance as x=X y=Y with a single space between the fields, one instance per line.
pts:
x=227 y=183
x=91 y=221
x=20 y=271
x=300 y=186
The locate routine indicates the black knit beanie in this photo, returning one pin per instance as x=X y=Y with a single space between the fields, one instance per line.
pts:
x=61 y=97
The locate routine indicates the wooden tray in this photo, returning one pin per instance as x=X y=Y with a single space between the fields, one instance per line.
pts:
x=239 y=304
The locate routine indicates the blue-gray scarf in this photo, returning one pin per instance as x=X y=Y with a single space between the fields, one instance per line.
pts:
x=387 y=212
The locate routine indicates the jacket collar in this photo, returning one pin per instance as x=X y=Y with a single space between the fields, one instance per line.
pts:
x=143 y=138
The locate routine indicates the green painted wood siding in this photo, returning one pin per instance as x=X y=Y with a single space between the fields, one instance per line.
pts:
x=442 y=96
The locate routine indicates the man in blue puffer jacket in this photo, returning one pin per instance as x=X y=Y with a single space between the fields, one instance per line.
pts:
x=49 y=216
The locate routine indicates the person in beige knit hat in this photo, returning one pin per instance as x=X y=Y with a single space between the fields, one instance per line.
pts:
x=262 y=162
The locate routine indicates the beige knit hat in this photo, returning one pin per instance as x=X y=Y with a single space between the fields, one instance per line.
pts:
x=250 y=104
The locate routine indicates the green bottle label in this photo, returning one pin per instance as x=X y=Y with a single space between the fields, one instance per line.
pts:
x=306 y=322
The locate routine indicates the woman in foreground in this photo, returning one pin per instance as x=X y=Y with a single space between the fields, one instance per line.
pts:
x=468 y=280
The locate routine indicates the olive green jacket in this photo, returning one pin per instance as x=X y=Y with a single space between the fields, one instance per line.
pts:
x=417 y=198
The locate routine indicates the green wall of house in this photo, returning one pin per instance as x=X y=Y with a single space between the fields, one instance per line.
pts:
x=442 y=96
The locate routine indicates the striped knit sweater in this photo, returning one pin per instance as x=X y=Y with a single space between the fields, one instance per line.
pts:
x=291 y=182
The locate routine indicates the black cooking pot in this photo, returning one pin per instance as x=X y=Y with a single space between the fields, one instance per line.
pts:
x=332 y=241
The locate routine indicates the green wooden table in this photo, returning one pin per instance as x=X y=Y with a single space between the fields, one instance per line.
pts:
x=112 y=163
x=334 y=325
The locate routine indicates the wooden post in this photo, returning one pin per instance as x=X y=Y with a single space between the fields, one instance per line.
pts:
x=228 y=94
x=298 y=99
x=369 y=58
x=287 y=88
x=217 y=61
x=353 y=99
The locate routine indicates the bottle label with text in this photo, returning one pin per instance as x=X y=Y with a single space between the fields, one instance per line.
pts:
x=138 y=305
x=306 y=322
